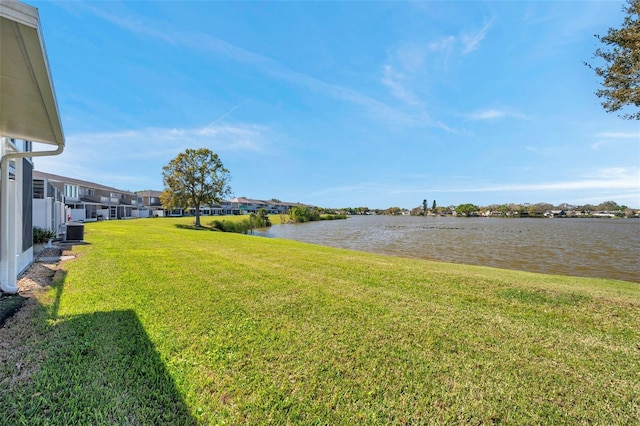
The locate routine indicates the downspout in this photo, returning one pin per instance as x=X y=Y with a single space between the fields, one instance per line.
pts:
x=8 y=251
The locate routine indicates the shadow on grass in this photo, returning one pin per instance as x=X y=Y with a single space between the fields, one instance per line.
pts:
x=96 y=368
x=192 y=227
x=9 y=305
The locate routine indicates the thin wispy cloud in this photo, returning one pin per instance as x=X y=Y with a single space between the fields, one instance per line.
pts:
x=535 y=150
x=443 y=44
x=471 y=42
x=614 y=178
x=620 y=135
x=129 y=155
x=610 y=179
x=228 y=113
x=600 y=144
x=221 y=137
x=582 y=185
x=614 y=138
x=395 y=82
x=403 y=65
x=269 y=66
x=620 y=184
x=441 y=51
x=494 y=114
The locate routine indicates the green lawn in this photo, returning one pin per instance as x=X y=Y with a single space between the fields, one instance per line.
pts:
x=155 y=323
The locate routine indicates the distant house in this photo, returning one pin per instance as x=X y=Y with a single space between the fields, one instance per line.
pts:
x=150 y=200
x=242 y=205
x=237 y=206
x=555 y=213
x=218 y=209
x=28 y=117
x=89 y=201
x=606 y=214
x=494 y=213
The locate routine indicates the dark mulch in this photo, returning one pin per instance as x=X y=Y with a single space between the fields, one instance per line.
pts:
x=9 y=305
x=37 y=276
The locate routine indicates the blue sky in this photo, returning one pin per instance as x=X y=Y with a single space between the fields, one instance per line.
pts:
x=338 y=104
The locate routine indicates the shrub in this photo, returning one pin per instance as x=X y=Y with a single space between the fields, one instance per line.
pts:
x=260 y=220
x=241 y=227
x=41 y=235
x=303 y=214
x=333 y=216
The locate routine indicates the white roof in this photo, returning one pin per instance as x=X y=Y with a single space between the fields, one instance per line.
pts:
x=28 y=108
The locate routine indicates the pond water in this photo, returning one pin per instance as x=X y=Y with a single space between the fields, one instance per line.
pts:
x=606 y=248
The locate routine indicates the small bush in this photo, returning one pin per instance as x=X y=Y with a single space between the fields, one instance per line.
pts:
x=333 y=216
x=303 y=214
x=241 y=227
x=260 y=220
x=41 y=235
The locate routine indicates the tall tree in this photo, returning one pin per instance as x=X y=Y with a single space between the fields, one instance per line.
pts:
x=621 y=72
x=466 y=209
x=424 y=207
x=433 y=206
x=194 y=178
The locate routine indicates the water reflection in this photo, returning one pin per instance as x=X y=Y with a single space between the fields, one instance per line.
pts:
x=607 y=248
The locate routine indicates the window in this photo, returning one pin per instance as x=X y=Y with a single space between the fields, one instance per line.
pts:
x=70 y=191
x=38 y=188
x=91 y=211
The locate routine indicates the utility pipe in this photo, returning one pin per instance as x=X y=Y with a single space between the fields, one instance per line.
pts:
x=8 y=248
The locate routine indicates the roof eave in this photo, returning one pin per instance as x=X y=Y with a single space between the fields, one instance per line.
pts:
x=28 y=106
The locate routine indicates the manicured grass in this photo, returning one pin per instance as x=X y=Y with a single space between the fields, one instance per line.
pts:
x=157 y=324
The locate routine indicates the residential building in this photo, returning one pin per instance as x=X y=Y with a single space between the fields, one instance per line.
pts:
x=48 y=205
x=89 y=201
x=150 y=200
x=242 y=205
x=222 y=208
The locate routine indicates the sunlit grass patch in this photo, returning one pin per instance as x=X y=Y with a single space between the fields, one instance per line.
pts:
x=544 y=297
x=227 y=328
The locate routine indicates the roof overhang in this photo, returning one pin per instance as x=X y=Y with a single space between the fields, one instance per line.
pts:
x=28 y=107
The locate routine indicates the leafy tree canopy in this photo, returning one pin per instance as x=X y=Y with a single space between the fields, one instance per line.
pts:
x=300 y=214
x=609 y=206
x=621 y=72
x=194 y=178
x=466 y=209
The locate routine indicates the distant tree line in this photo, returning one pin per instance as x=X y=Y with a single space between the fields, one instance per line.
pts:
x=301 y=214
x=470 y=209
x=526 y=209
x=352 y=211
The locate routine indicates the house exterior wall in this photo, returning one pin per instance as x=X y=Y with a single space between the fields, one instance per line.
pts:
x=27 y=204
x=24 y=242
x=48 y=206
x=20 y=206
x=90 y=202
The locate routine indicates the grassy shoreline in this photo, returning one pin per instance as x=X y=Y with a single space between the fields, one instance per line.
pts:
x=156 y=324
